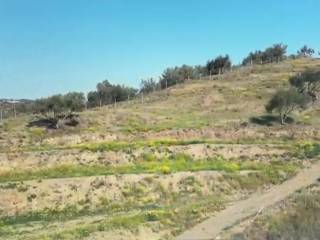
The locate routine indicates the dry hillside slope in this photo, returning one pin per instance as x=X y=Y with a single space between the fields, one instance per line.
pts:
x=152 y=168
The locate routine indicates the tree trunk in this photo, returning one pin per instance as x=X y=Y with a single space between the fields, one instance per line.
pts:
x=284 y=119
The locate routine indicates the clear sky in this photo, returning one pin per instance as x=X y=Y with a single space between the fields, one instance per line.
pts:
x=56 y=46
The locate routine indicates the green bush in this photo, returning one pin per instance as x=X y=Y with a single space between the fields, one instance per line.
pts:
x=165 y=169
x=308 y=150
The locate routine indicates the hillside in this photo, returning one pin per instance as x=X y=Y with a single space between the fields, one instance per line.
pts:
x=153 y=167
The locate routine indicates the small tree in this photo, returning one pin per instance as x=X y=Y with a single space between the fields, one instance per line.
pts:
x=176 y=75
x=253 y=58
x=74 y=101
x=57 y=105
x=278 y=52
x=286 y=101
x=148 y=85
x=93 y=99
x=54 y=105
x=308 y=83
x=275 y=53
x=305 y=51
x=219 y=65
x=104 y=89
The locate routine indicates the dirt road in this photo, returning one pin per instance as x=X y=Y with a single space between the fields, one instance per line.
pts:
x=212 y=227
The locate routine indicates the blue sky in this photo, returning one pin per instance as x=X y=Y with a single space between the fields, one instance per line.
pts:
x=56 y=46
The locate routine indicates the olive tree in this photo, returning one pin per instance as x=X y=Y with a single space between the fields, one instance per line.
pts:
x=307 y=82
x=219 y=65
x=275 y=53
x=60 y=104
x=305 y=51
x=74 y=101
x=286 y=101
x=177 y=75
x=148 y=85
x=107 y=93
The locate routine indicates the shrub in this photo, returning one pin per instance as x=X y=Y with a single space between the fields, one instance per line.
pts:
x=37 y=134
x=149 y=157
x=308 y=82
x=165 y=169
x=151 y=216
x=308 y=150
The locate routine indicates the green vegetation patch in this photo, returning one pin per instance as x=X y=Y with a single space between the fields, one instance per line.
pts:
x=118 y=146
x=127 y=146
x=172 y=217
x=274 y=174
x=165 y=165
x=307 y=150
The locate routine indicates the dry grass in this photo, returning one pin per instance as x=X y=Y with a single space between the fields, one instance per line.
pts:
x=167 y=162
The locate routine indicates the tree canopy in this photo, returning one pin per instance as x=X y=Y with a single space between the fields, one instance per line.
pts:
x=175 y=75
x=307 y=82
x=275 y=53
x=107 y=93
x=218 y=65
x=286 y=101
x=148 y=85
x=305 y=51
x=58 y=104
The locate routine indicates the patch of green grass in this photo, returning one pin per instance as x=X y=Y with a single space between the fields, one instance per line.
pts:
x=72 y=212
x=148 y=157
x=165 y=119
x=307 y=150
x=275 y=173
x=119 y=146
x=116 y=145
x=127 y=222
x=166 y=165
x=173 y=218
x=125 y=146
x=126 y=216
x=37 y=134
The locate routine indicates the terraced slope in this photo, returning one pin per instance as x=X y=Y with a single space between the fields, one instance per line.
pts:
x=296 y=217
x=214 y=226
x=152 y=169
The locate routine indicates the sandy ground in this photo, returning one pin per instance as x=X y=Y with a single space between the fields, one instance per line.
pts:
x=60 y=193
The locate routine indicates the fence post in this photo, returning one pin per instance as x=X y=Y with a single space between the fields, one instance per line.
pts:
x=166 y=86
x=14 y=110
